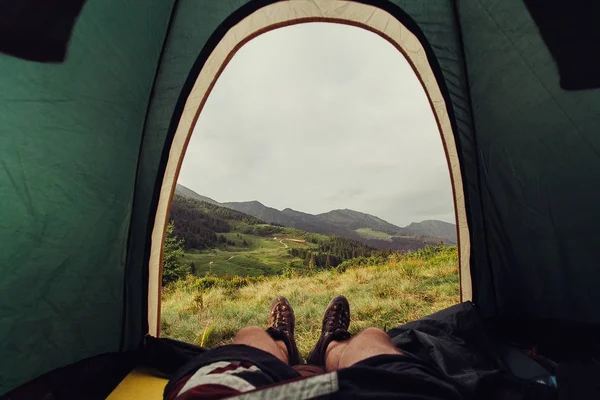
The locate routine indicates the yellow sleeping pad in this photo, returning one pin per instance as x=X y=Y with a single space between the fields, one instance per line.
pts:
x=139 y=384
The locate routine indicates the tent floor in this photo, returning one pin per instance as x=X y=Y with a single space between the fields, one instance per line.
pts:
x=139 y=384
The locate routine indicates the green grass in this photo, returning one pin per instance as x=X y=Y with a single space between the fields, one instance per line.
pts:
x=372 y=234
x=261 y=255
x=209 y=311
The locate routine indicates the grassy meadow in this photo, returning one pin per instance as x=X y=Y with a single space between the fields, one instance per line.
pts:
x=373 y=234
x=252 y=255
x=209 y=310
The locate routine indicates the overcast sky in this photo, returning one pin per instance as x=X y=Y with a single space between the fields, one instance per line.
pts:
x=318 y=117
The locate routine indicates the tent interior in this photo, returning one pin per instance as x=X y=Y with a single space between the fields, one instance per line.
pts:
x=99 y=97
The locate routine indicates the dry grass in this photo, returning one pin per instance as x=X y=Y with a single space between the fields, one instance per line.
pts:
x=386 y=295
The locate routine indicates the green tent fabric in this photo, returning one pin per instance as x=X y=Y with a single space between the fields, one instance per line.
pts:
x=84 y=144
x=539 y=156
x=70 y=138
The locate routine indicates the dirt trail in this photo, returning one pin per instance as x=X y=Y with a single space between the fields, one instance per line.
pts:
x=284 y=245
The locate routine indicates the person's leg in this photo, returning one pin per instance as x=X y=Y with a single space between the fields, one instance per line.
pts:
x=257 y=358
x=257 y=337
x=368 y=343
x=278 y=339
x=337 y=349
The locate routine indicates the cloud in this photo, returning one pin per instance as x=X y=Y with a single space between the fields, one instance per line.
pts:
x=345 y=193
x=317 y=117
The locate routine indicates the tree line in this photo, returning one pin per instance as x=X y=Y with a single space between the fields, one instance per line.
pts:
x=335 y=250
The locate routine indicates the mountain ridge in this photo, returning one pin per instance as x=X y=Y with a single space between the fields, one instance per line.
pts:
x=355 y=220
x=435 y=228
x=357 y=225
x=187 y=192
x=259 y=210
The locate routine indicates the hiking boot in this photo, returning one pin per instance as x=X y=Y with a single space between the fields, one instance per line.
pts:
x=335 y=327
x=281 y=327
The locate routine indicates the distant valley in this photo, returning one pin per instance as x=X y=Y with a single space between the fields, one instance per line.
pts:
x=365 y=228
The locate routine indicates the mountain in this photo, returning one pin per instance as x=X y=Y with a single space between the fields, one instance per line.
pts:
x=259 y=210
x=189 y=193
x=347 y=223
x=354 y=220
x=434 y=228
x=313 y=223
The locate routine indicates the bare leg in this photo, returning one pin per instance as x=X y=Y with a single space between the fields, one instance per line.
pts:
x=257 y=337
x=368 y=343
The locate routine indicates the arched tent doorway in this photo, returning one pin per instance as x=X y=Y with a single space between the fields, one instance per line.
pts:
x=279 y=15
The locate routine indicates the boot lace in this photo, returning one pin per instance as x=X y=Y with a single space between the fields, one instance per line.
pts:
x=337 y=318
x=281 y=316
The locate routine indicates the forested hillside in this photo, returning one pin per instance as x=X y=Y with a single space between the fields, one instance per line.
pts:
x=198 y=222
x=334 y=250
